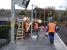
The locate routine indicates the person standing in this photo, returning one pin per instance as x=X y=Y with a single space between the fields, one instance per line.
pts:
x=36 y=28
x=44 y=30
x=26 y=28
x=51 y=30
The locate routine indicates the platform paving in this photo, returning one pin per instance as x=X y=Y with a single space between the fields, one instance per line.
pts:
x=41 y=44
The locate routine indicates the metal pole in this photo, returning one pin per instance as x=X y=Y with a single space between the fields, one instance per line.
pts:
x=31 y=20
x=35 y=15
x=12 y=45
x=65 y=20
x=12 y=20
x=44 y=15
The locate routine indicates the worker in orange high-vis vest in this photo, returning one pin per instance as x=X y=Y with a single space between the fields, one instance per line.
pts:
x=51 y=30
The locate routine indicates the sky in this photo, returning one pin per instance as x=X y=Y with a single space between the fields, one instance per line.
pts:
x=6 y=4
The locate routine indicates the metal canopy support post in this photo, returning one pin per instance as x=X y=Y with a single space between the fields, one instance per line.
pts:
x=12 y=20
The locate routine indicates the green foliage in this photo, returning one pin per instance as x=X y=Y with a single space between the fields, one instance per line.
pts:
x=22 y=13
x=25 y=13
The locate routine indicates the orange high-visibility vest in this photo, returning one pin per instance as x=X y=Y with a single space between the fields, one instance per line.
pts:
x=51 y=27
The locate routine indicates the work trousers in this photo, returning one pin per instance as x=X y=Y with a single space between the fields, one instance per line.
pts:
x=51 y=37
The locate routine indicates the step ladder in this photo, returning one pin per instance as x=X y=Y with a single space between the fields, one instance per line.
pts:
x=19 y=34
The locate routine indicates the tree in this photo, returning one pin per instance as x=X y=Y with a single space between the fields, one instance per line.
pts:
x=39 y=12
x=49 y=11
x=25 y=12
x=65 y=16
x=22 y=13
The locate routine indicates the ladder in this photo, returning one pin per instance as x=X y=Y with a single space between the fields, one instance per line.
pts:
x=19 y=34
